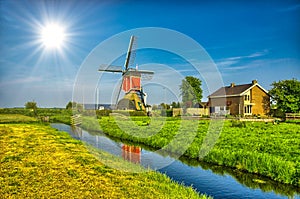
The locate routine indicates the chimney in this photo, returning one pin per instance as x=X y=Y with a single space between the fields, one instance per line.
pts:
x=254 y=82
x=232 y=85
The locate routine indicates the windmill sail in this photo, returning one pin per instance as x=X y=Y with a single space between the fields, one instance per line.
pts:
x=131 y=53
x=110 y=68
x=119 y=90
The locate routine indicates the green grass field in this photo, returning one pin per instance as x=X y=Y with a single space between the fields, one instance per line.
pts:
x=256 y=147
x=18 y=115
x=38 y=161
x=16 y=118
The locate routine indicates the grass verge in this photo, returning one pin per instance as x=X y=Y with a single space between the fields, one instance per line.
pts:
x=16 y=118
x=257 y=147
x=38 y=161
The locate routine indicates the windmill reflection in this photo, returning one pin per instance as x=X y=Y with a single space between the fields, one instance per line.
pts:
x=77 y=131
x=131 y=153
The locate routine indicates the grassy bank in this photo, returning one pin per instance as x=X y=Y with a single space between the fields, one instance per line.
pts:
x=16 y=118
x=53 y=114
x=256 y=147
x=38 y=161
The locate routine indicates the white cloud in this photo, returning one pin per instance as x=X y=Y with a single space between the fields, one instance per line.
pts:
x=253 y=55
x=240 y=62
x=226 y=63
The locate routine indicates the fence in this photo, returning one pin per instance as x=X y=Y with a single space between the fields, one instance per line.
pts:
x=292 y=116
x=76 y=120
x=190 y=111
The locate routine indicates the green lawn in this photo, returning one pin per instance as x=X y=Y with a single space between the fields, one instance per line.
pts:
x=40 y=162
x=16 y=118
x=17 y=115
x=256 y=147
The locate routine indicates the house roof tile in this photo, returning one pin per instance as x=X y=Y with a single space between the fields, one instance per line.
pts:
x=229 y=90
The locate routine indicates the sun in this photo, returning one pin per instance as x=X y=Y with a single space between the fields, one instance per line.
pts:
x=53 y=35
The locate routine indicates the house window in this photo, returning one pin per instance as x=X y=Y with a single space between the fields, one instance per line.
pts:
x=247 y=97
x=248 y=110
x=220 y=110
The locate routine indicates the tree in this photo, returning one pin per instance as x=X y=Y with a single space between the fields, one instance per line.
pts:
x=175 y=105
x=31 y=105
x=74 y=106
x=164 y=106
x=286 y=95
x=191 y=91
x=71 y=105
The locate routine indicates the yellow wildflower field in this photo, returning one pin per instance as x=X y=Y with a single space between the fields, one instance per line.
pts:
x=38 y=161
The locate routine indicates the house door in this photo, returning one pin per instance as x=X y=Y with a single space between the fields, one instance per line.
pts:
x=248 y=110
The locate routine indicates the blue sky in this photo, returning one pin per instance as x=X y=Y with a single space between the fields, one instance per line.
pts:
x=246 y=40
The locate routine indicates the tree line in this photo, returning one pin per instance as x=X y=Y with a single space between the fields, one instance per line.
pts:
x=285 y=96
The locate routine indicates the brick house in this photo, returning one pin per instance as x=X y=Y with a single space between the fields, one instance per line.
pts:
x=245 y=99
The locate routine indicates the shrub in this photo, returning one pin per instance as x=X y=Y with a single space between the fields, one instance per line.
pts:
x=167 y=113
x=237 y=123
x=101 y=113
x=131 y=113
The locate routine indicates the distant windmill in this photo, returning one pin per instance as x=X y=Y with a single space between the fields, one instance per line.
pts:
x=135 y=98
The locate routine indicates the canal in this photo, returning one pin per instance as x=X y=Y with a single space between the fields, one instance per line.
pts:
x=216 y=181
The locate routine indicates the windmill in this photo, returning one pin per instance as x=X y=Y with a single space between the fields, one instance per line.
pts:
x=135 y=98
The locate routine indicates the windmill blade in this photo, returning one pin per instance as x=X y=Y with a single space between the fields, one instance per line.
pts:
x=119 y=91
x=131 y=53
x=148 y=72
x=138 y=72
x=110 y=68
x=147 y=76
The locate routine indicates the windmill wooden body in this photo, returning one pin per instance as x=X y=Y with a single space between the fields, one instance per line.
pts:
x=135 y=98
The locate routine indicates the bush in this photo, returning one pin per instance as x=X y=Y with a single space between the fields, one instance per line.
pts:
x=277 y=113
x=205 y=116
x=137 y=113
x=101 y=113
x=237 y=123
x=131 y=113
x=293 y=121
x=167 y=113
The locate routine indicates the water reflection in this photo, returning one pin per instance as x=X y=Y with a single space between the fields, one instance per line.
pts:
x=131 y=153
x=77 y=131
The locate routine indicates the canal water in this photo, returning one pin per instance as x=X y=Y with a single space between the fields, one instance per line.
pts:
x=216 y=181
